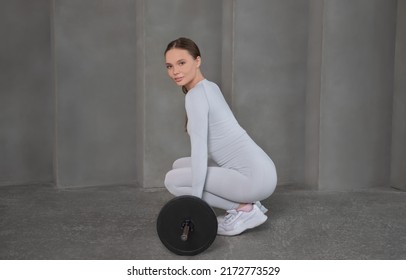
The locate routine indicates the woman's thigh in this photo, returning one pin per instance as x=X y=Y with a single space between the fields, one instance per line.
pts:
x=222 y=182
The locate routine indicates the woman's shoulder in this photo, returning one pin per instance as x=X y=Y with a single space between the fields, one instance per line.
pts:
x=210 y=84
x=205 y=87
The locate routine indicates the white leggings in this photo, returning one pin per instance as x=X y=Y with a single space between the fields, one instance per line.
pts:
x=225 y=188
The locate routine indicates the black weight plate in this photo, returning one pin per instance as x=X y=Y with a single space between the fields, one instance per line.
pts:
x=174 y=213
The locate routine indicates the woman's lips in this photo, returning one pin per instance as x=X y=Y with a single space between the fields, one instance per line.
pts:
x=178 y=80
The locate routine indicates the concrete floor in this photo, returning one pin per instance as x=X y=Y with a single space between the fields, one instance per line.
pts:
x=41 y=222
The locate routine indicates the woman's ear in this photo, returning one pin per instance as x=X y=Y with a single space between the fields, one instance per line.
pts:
x=199 y=61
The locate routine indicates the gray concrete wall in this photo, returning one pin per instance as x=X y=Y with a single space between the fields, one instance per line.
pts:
x=398 y=164
x=86 y=99
x=95 y=50
x=26 y=100
x=356 y=93
x=313 y=92
x=227 y=51
x=140 y=92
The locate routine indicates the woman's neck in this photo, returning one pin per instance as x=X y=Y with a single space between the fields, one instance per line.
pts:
x=199 y=77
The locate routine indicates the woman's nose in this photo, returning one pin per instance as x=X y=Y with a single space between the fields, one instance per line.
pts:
x=175 y=70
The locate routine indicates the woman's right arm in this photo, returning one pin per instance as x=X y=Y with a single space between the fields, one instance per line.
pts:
x=197 y=110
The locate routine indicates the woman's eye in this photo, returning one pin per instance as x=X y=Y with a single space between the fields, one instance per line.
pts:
x=182 y=63
x=168 y=66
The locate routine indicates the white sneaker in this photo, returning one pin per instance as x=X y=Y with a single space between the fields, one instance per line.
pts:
x=257 y=203
x=238 y=221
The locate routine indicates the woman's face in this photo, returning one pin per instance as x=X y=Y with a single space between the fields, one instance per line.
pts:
x=182 y=67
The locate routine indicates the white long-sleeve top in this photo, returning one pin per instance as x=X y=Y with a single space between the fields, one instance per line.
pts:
x=212 y=128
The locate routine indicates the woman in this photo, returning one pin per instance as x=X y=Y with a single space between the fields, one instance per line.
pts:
x=226 y=168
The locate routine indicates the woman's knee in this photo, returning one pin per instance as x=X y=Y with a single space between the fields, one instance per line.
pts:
x=176 y=182
x=170 y=184
x=266 y=190
x=182 y=162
